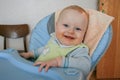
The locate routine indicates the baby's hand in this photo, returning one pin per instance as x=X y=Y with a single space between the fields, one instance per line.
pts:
x=47 y=64
x=27 y=55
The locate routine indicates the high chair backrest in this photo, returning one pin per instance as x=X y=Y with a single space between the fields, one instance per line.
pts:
x=15 y=31
x=41 y=34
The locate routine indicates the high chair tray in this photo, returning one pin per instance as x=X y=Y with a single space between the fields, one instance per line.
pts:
x=14 y=67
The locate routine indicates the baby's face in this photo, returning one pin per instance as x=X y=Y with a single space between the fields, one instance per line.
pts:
x=70 y=27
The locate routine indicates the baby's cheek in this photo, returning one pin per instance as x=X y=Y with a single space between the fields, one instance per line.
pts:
x=78 y=41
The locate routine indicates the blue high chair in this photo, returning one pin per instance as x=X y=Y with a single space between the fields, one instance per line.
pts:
x=14 y=67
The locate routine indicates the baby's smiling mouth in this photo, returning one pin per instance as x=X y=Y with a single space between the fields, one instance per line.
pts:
x=69 y=37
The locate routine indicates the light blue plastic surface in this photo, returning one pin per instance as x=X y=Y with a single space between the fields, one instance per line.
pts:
x=40 y=35
x=102 y=47
x=14 y=67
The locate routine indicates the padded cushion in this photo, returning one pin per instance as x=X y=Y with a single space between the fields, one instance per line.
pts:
x=40 y=35
x=101 y=47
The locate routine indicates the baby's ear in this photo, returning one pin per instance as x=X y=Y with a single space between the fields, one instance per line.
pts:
x=56 y=23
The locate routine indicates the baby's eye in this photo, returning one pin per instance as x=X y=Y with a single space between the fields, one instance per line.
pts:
x=79 y=29
x=65 y=25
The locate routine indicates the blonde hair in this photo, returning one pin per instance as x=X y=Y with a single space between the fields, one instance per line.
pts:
x=77 y=8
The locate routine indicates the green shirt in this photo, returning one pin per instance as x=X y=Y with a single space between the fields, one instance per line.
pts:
x=53 y=50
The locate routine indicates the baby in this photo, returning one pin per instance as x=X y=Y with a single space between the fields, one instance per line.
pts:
x=65 y=47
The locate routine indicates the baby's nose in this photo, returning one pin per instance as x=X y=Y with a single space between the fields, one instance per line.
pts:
x=71 y=30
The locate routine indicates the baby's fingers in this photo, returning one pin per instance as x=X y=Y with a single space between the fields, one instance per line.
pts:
x=37 y=63
x=47 y=67
x=41 y=66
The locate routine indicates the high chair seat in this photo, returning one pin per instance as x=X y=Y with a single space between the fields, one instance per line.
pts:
x=22 y=69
